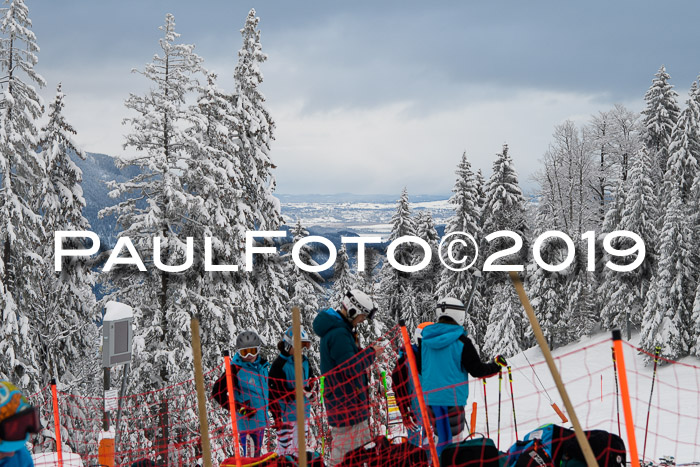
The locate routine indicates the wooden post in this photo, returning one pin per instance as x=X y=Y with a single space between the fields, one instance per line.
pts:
x=542 y=342
x=625 y=395
x=201 y=397
x=299 y=385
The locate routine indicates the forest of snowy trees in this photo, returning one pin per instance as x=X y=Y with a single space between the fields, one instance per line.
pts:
x=206 y=170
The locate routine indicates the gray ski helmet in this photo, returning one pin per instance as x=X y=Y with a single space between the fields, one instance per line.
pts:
x=248 y=338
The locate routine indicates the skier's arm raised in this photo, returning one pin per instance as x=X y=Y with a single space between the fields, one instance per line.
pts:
x=472 y=363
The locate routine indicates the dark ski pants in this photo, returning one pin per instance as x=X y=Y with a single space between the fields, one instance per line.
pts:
x=448 y=423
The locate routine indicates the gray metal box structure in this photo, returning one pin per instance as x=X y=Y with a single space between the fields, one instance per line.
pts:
x=117 y=334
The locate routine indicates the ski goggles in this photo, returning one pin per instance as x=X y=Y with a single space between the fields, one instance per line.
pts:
x=248 y=351
x=16 y=427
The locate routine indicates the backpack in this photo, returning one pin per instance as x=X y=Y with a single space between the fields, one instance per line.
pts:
x=551 y=440
x=380 y=452
x=476 y=451
x=608 y=448
x=534 y=456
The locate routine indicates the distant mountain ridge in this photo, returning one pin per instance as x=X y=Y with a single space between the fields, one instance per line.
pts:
x=352 y=213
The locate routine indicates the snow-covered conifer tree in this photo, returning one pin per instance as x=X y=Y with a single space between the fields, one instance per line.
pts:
x=159 y=207
x=684 y=149
x=65 y=319
x=659 y=117
x=695 y=323
x=253 y=130
x=623 y=293
x=503 y=333
x=343 y=277
x=459 y=284
x=504 y=210
x=21 y=169
x=394 y=288
x=425 y=281
x=668 y=304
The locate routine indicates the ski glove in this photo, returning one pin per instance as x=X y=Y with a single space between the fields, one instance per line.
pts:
x=501 y=361
x=245 y=410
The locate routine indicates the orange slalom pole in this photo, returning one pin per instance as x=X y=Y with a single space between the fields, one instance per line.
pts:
x=232 y=408
x=419 y=392
x=57 y=423
x=472 y=431
x=624 y=389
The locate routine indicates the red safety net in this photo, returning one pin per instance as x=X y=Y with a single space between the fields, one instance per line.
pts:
x=162 y=427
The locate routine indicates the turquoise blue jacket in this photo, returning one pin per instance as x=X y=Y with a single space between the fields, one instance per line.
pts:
x=250 y=389
x=443 y=377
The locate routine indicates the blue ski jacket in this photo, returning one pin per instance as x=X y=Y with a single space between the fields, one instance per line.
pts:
x=448 y=357
x=250 y=390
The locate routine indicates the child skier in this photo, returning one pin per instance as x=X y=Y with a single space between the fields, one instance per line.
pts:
x=448 y=357
x=250 y=373
x=344 y=363
x=282 y=392
x=17 y=420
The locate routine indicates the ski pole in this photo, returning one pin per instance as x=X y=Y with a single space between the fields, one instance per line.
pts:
x=657 y=351
x=486 y=408
x=512 y=400
x=551 y=402
x=498 y=430
x=617 y=393
x=320 y=398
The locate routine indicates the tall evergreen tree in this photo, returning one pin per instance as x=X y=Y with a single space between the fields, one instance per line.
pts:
x=425 y=281
x=668 y=305
x=684 y=149
x=64 y=320
x=624 y=292
x=253 y=132
x=343 y=277
x=505 y=206
x=159 y=207
x=394 y=287
x=21 y=169
x=659 y=117
x=466 y=218
x=215 y=181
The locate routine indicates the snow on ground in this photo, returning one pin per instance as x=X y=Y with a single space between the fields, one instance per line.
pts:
x=50 y=459
x=587 y=370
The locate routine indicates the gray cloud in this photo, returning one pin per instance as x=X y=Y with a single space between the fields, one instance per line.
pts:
x=409 y=68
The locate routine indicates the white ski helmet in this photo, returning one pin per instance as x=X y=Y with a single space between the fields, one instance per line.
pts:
x=452 y=308
x=289 y=337
x=356 y=302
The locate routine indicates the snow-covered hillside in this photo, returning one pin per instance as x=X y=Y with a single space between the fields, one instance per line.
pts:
x=587 y=370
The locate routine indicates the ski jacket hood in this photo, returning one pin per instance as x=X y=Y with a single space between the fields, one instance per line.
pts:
x=327 y=320
x=440 y=335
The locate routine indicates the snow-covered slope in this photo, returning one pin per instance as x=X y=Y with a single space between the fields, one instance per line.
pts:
x=587 y=370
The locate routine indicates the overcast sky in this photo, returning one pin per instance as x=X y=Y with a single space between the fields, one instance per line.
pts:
x=370 y=97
